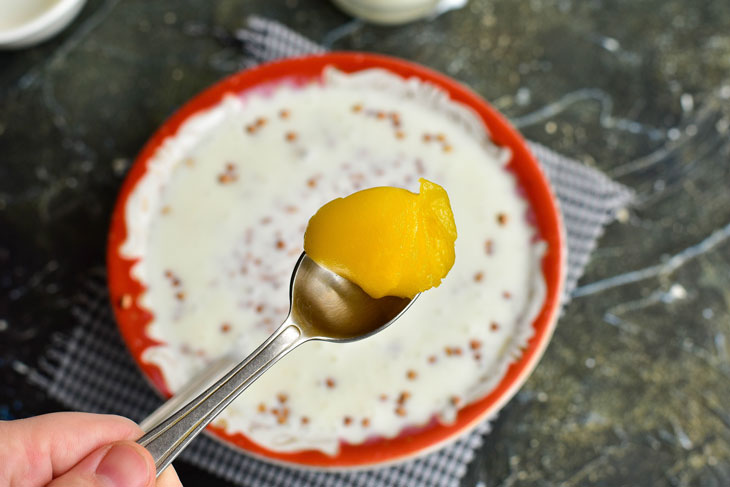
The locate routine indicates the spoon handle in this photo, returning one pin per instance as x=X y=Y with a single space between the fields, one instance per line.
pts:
x=191 y=390
x=166 y=440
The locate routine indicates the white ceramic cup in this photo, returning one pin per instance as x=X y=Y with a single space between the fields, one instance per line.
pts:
x=388 y=12
x=24 y=23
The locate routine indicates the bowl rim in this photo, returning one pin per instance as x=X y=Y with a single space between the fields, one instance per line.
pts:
x=43 y=21
x=132 y=319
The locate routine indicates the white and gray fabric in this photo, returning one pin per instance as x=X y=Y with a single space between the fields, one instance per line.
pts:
x=91 y=370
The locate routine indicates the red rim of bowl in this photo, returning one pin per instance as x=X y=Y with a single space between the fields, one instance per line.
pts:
x=133 y=320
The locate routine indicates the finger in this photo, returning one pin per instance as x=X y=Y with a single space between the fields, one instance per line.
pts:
x=121 y=464
x=36 y=450
x=168 y=478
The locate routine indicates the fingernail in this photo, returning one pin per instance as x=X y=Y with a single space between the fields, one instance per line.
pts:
x=123 y=466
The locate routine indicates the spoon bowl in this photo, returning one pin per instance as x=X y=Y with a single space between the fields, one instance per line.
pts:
x=323 y=306
x=326 y=306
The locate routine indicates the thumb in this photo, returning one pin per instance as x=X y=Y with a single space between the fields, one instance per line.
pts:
x=121 y=464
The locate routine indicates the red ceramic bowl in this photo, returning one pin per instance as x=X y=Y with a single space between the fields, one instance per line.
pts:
x=132 y=320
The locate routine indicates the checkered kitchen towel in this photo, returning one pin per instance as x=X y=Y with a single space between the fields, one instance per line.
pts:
x=91 y=370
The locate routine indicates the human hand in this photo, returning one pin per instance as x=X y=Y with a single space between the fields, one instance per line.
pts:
x=79 y=450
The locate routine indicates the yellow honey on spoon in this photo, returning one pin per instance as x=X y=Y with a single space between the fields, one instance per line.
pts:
x=388 y=241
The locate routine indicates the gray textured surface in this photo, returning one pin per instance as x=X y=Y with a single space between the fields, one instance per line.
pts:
x=633 y=389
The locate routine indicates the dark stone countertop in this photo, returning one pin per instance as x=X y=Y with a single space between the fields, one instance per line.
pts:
x=634 y=388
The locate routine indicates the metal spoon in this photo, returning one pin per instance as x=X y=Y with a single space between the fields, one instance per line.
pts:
x=323 y=306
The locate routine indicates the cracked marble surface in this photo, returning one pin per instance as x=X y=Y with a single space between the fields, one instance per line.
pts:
x=634 y=388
